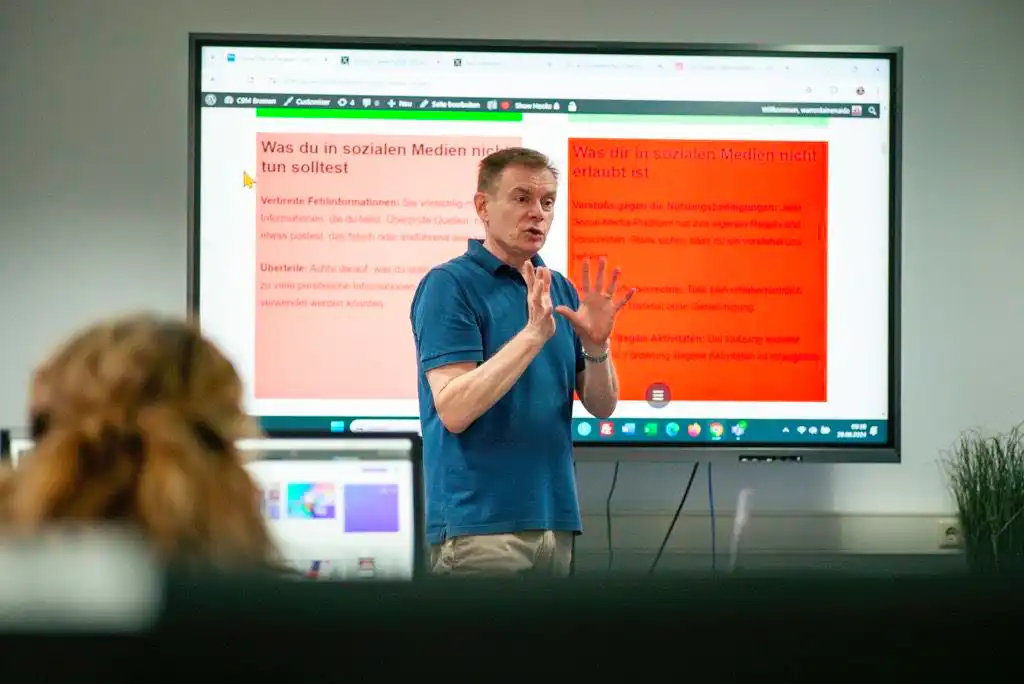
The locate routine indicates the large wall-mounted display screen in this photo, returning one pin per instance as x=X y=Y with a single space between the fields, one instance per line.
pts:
x=749 y=196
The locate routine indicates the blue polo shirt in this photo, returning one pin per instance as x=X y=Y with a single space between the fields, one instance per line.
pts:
x=512 y=469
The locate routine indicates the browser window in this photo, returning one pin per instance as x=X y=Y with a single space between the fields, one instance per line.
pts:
x=747 y=198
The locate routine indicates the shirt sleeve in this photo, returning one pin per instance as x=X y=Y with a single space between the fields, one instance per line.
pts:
x=443 y=324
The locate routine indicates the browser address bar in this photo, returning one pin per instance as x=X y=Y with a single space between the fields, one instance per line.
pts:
x=550 y=88
x=348 y=84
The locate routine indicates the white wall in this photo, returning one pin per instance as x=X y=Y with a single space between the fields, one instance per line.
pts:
x=92 y=198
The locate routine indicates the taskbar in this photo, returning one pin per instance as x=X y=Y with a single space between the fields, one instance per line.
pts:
x=638 y=431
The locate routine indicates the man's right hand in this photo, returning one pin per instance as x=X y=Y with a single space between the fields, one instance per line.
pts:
x=541 y=312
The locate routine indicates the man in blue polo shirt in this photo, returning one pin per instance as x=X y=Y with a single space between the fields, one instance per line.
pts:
x=498 y=370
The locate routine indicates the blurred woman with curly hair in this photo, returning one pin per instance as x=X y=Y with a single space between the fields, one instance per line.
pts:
x=135 y=422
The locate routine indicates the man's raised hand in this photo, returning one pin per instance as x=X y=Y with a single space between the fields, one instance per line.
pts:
x=541 y=314
x=598 y=306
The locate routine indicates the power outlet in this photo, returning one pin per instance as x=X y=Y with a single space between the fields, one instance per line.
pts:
x=949 y=534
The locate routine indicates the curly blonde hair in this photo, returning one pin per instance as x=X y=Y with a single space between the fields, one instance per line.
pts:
x=135 y=421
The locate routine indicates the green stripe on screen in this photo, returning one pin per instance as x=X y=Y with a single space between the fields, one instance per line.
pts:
x=678 y=120
x=393 y=114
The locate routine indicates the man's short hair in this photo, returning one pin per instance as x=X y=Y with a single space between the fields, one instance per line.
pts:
x=494 y=164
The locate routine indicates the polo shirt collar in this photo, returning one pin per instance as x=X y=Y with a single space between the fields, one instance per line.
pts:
x=478 y=253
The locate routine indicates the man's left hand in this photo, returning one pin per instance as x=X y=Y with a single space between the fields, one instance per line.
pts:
x=595 y=318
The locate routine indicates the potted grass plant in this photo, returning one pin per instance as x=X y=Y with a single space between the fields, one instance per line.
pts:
x=986 y=477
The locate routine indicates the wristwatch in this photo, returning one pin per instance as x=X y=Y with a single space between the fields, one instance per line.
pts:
x=600 y=358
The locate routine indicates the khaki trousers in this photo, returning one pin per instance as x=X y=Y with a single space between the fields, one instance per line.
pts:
x=540 y=553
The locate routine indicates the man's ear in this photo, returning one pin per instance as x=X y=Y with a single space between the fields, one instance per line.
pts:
x=480 y=201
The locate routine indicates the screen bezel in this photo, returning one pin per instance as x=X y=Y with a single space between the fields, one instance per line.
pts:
x=888 y=452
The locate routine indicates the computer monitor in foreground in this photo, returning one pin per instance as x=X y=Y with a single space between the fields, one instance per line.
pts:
x=751 y=195
x=344 y=508
x=339 y=508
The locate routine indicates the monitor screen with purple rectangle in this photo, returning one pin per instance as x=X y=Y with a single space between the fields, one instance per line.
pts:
x=342 y=508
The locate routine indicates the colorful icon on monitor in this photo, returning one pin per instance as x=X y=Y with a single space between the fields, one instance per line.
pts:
x=693 y=429
x=584 y=429
x=672 y=429
x=716 y=430
x=271 y=504
x=739 y=428
x=366 y=568
x=651 y=430
x=311 y=500
x=606 y=429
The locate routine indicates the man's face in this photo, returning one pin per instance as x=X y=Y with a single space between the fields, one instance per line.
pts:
x=518 y=213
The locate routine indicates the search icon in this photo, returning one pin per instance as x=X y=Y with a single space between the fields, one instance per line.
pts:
x=872 y=110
